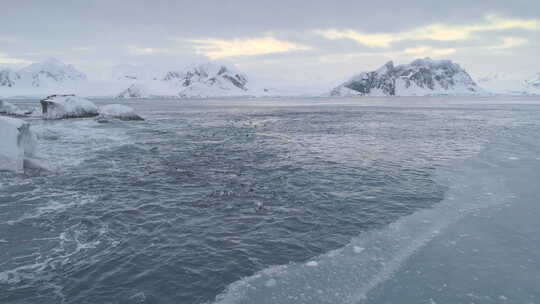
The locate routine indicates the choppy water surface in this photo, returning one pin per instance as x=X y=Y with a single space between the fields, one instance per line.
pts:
x=203 y=198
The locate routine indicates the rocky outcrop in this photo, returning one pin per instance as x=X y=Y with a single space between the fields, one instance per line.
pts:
x=135 y=90
x=198 y=81
x=421 y=77
x=208 y=80
x=9 y=78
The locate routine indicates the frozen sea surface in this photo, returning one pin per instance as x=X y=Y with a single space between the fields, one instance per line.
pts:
x=373 y=200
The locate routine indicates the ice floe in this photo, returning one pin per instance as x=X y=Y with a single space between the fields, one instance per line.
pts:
x=18 y=143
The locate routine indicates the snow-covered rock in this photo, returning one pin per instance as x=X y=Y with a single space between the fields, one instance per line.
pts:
x=67 y=106
x=118 y=111
x=16 y=145
x=7 y=108
x=197 y=81
x=419 y=78
x=136 y=90
x=511 y=83
x=208 y=80
x=8 y=78
x=534 y=82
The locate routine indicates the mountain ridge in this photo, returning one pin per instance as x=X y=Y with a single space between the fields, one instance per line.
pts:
x=421 y=77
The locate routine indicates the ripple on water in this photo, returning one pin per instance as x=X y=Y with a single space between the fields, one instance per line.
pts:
x=175 y=208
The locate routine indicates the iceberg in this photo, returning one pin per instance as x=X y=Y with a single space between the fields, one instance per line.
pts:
x=118 y=111
x=67 y=106
x=17 y=143
x=136 y=90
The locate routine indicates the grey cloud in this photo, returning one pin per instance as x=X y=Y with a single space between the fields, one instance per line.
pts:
x=39 y=29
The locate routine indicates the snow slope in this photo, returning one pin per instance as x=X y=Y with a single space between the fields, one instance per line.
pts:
x=511 y=84
x=48 y=77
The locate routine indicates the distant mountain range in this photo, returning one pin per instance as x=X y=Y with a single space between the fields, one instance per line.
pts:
x=200 y=81
x=419 y=78
x=43 y=74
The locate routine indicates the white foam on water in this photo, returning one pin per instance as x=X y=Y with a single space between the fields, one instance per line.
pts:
x=72 y=246
x=67 y=143
x=54 y=206
x=358 y=249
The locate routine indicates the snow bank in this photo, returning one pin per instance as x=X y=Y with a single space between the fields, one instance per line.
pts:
x=118 y=111
x=17 y=142
x=7 y=108
x=67 y=106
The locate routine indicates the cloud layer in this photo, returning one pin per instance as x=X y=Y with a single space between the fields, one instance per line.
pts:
x=301 y=40
x=220 y=48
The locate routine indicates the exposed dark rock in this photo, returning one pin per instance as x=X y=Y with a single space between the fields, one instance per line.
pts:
x=421 y=77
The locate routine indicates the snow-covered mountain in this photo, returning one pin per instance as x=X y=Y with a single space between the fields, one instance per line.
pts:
x=9 y=78
x=511 y=84
x=49 y=76
x=197 y=81
x=534 y=82
x=421 y=77
x=51 y=71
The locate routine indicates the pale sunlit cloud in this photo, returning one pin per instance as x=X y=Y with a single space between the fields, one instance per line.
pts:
x=427 y=51
x=509 y=42
x=220 y=48
x=436 y=32
x=136 y=50
x=5 y=59
x=83 y=48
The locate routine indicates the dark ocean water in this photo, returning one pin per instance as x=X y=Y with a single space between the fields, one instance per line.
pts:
x=204 y=197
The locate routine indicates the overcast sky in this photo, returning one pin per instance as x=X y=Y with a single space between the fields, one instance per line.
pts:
x=298 y=41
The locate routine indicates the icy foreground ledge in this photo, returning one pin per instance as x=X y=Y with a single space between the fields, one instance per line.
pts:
x=7 y=108
x=67 y=106
x=118 y=111
x=17 y=142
